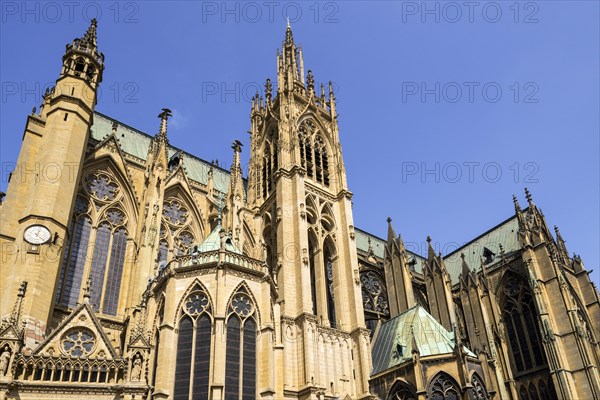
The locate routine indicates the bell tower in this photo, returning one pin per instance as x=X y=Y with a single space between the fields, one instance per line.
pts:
x=298 y=193
x=39 y=202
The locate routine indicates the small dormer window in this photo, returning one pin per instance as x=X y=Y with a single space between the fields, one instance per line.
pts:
x=488 y=255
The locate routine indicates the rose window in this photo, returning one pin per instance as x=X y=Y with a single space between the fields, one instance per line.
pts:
x=196 y=303
x=101 y=187
x=513 y=286
x=78 y=342
x=371 y=283
x=175 y=213
x=242 y=305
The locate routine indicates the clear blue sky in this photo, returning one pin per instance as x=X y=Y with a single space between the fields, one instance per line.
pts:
x=494 y=89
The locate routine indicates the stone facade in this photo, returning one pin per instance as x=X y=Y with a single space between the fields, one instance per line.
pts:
x=144 y=272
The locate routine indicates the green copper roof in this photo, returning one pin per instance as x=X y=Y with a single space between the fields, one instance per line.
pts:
x=136 y=143
x=505 y=234
x=213 y=242
x=394 y=342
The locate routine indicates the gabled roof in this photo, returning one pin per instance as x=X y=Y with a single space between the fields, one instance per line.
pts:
x=397 y=338
x=82 y=315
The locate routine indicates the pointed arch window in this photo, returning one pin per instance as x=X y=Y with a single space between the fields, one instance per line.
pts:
x=401 y=391
x=443 y=387
x=98 y=245
x=373 y=293
x=176 y=233
x=240 y=354
x=192 y=369
x=523 y=394
x=313 y=152
x=519 y=317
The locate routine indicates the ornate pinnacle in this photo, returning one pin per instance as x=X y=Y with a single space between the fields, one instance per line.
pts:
x=268 y=90
x=16 y=312
x=164 y=116
x=516 y=203
x=528 y=196
x=310 y=82
x=87 y=290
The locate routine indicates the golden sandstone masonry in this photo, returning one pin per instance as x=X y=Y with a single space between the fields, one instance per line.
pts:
x=194 y=282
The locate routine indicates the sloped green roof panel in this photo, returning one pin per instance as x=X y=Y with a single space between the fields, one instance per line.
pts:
x=394 y=342
x=504 y=234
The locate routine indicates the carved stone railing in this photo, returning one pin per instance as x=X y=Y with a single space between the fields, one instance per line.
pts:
x=222 y=257
x=30 y=368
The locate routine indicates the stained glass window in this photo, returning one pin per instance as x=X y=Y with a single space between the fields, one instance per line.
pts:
x=193 y=347
x=240 y=356
x=184 y=359
x=101 y=247
x=202 y=358
x=115 y=272
x=73 y=262
x=232 y=359
x=249 y=361
x=519 y=317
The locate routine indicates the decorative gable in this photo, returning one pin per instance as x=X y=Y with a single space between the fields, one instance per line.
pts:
x=79 y=335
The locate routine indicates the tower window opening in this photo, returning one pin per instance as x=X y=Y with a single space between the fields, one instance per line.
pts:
x=325 y=168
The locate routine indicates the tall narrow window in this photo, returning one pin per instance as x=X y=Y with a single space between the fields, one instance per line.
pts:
x=115 y=272
x=184 y=359
x=325 y=168
x=329 y=290
x=232 y=359
x=101 y=246
x=519 y=319
x=313 y=281
x=73 y=262
x=192 y=370
x=201 y=361
x=240 y=354
x=309 y=159
x=249 y=361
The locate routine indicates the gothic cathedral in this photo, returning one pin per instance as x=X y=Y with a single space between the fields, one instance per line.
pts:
x=145 y=272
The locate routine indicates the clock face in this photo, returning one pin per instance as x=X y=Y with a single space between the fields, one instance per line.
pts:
x=37 y=234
